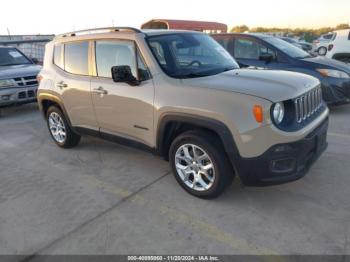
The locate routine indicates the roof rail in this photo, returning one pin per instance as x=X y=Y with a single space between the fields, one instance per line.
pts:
x=99 y=30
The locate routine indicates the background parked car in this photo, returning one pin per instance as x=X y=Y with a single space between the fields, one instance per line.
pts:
x=263 y=51
x=339 y=48
x=321 y=44
x=303 y=45
x=306 y=45
x=18 y=83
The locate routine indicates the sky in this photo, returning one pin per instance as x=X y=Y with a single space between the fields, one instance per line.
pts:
x=59 y=16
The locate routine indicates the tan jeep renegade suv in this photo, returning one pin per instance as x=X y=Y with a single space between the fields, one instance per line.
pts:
x=181 y=95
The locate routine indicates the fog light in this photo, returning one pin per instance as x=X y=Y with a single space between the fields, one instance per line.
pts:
x=7 y=97
x=283 y=165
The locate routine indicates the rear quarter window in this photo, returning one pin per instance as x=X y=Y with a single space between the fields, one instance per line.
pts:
x=58 y=56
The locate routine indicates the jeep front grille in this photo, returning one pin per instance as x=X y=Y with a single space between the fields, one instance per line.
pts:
x=308 y=104
x=26 y=81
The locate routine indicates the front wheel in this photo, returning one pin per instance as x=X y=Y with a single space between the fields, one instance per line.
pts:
x=59 y=128
x=200 y=164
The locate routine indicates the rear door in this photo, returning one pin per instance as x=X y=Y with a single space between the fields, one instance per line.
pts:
x=73 y=82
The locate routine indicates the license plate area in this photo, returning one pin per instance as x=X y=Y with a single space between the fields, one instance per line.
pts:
x=321 y=141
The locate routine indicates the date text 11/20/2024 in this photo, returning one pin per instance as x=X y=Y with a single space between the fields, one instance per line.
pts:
x=173 y=258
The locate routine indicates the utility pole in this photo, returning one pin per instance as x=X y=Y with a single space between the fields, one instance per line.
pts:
x=8 y=33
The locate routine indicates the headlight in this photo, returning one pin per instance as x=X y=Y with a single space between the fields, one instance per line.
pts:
x=7 y=83
x=333 y=73
x=278 y=112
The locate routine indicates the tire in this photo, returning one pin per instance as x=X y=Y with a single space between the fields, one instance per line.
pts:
x=192 y=177
x=56 y=120
x=322 y=51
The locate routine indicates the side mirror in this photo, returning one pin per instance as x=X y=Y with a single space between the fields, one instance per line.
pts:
x=266 y=57
x=123 y=74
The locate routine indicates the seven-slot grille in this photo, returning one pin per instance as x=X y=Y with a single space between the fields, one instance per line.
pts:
x=308 y=104
x=26 y=81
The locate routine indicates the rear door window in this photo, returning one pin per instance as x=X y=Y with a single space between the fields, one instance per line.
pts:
x=328 y=37
x=76 y=58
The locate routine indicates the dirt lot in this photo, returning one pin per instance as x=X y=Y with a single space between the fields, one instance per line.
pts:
x=103 y=198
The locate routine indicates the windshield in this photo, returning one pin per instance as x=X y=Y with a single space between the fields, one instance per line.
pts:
x=287 y=48
x=186 y=55
x=11 y=56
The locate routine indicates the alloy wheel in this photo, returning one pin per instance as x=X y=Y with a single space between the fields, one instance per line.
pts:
x=322 y=51
x=57 y=127
x=194 y=167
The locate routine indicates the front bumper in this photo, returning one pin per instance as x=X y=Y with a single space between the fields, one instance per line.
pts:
x=15 y=96
x=336 y=91
x=284 y=162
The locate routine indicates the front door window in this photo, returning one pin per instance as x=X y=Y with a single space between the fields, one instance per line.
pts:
x=248 y=49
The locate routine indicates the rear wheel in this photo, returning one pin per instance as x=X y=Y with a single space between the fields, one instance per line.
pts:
x=322 y=51
x=200 y=165
x=59 y=128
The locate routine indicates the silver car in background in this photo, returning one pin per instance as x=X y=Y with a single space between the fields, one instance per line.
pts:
x=18 y=83
x=320 y=45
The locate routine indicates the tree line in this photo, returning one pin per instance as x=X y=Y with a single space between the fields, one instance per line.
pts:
x=307 y=34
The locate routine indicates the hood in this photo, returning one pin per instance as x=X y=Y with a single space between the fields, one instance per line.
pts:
x=327 y=63
x=7 y=72
x=271 y=85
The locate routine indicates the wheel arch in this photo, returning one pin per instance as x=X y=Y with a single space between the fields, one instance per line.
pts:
x=47 y=100
x=170 y=124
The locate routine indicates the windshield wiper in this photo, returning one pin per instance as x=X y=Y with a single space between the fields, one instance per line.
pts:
x=206 y=73
x=303 y=57
x=228 y=69
x=194 y=75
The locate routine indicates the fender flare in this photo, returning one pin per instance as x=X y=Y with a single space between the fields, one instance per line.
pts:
x=55 y=99
x=214 y=125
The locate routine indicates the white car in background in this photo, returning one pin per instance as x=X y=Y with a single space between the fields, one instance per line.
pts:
x=339 y=48
x=320 y=45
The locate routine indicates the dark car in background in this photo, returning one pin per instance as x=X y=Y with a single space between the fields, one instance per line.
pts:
x=268 y=52
x=18 y=83
x=303 y=45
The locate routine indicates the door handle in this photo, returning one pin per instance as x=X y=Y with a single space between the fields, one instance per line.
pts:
x=61 y=85
x=100 y=90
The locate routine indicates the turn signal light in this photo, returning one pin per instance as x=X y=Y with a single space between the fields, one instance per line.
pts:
x=258 y=113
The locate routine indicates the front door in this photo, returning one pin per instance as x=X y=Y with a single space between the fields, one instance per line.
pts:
x=122 y=109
